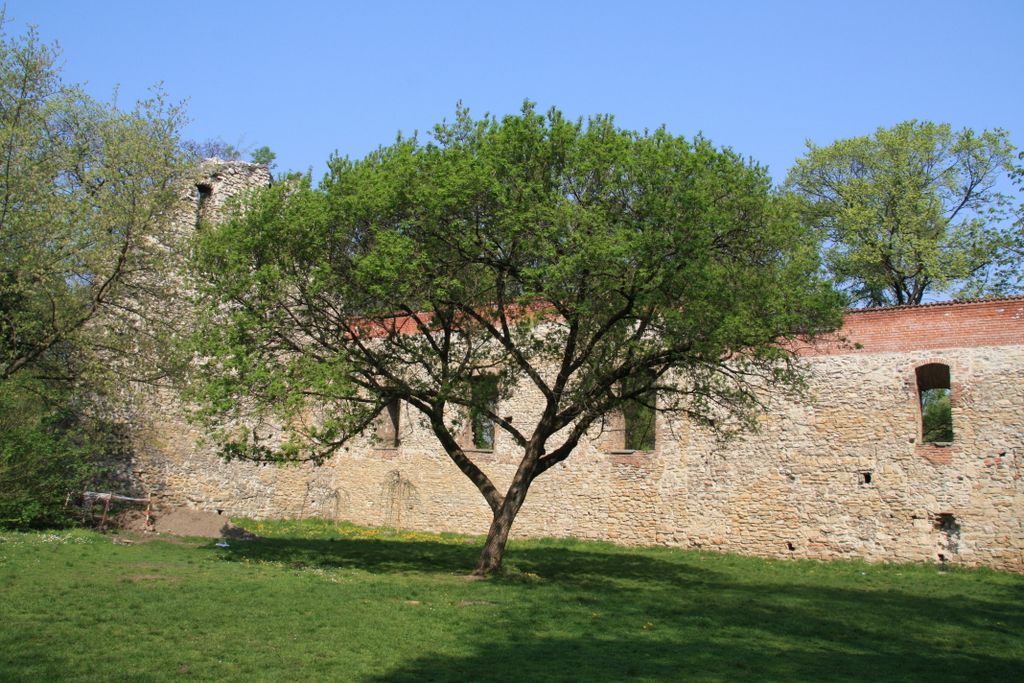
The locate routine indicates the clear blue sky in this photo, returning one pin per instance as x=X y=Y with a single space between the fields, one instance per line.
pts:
x=308 y=78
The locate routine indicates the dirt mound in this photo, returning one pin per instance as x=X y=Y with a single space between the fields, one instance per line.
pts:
x=130 y=520
x=183 y=522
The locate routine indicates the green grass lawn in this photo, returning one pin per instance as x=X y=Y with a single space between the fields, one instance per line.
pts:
x=316 y=601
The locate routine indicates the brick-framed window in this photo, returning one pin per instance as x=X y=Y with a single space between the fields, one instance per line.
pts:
x=633 y=428
x=935 y=403
x=479 y=432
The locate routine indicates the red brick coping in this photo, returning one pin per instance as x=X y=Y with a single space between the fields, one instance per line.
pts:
x=942 y=325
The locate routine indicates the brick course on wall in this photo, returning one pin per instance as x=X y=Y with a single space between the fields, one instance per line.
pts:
x=839 y=474
x=930 y=326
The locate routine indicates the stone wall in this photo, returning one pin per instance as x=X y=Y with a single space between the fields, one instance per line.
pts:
x=840 y=474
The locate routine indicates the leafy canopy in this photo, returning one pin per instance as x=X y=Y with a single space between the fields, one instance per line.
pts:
x=85 y=193
x=913 y=210
x=590 y=266
x=936 y=416
x=264 y=155
x=85 y=189
x=571 y=256
x=49 y=448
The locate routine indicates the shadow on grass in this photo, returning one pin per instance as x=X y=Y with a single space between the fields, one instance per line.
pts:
x=376 y=555
x=736 y=631
x=707 y=658
x=577 y=565
x=611 y=614
x=20 y=662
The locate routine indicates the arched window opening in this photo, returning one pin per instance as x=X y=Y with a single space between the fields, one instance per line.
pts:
x=935 y=397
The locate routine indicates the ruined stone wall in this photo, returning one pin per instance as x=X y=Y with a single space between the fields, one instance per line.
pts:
x=841 y=474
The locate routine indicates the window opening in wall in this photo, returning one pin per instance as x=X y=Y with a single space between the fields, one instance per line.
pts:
x=947 y=525
x=865 y=478
x=203 y=194
x=387 y=424
x=935 y=396
x=639 y=417
x=484 y=391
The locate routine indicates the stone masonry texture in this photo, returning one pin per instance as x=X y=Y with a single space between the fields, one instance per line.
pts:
x=840 y=473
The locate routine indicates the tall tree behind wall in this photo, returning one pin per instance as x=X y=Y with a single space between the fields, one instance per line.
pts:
x=912 y=211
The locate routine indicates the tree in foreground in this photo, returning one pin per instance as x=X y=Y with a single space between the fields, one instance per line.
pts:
x=912 y=210
x=85 y=194
x=595 y=267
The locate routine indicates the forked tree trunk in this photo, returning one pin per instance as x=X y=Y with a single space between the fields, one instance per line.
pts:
x=497 y=536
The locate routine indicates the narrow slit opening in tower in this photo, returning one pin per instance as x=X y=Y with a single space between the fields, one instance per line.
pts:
x=204 y=193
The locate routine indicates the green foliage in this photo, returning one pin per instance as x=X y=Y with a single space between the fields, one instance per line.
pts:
x=912 y=210
x=45 y=455
x=639 y=414
x=507 y=246
x=1018 y=180
x=86 y=192
x=264 y=155
x=216 y=148
x=639 y=418
x=324 y=601
x=85 y=189
x=484 y=393
x=936 y=416
x=577 y=260
x=639 y=423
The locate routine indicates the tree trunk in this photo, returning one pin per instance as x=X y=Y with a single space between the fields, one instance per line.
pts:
x=494 y=549
x=497 y=536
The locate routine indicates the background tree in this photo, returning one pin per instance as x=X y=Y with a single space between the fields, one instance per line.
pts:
x=912 y=210
x=264 y=155
x=216 y=148
x=85 y=193
x=589 y=265
x=1018 y=180
x=936 y=416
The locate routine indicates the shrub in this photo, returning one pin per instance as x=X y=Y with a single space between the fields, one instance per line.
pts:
x=46 y=453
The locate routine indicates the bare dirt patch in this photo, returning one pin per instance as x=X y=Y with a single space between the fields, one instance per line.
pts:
x=137 y=578
x=183 y=522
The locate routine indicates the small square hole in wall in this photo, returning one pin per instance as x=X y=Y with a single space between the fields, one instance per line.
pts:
x=864 y=478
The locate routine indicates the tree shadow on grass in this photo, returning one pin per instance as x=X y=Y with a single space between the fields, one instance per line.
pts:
x=708 y=658
x=738 y=632
x=581 y=567
x=377 y=555
x=611 y=614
